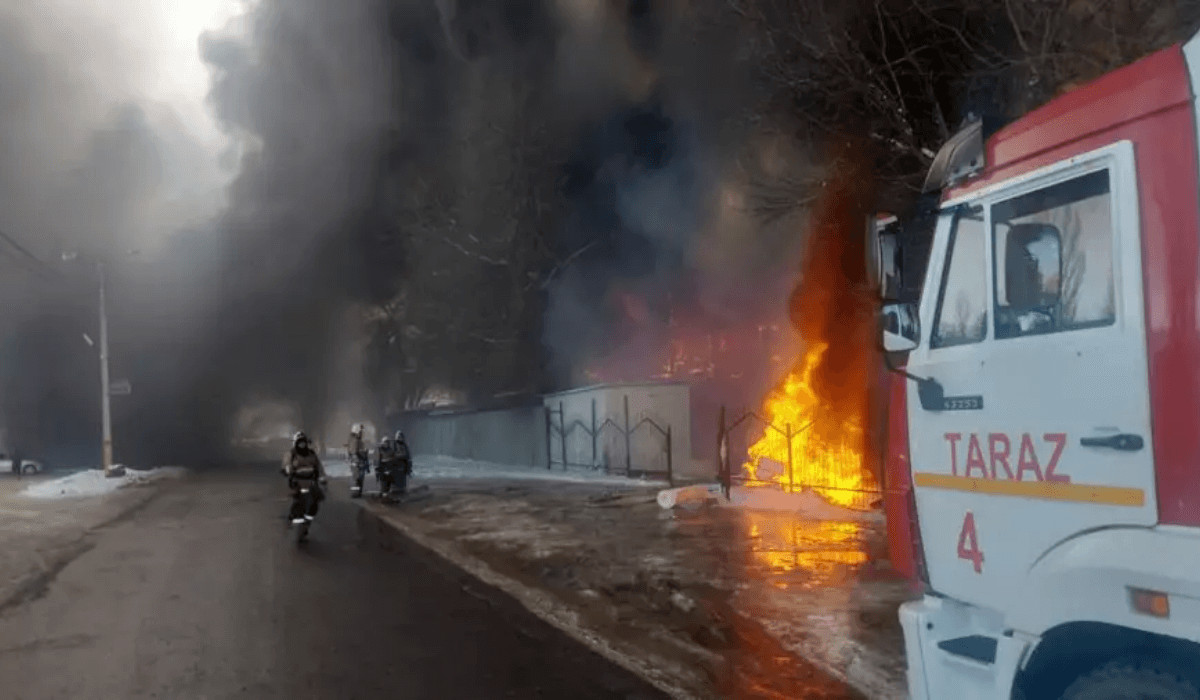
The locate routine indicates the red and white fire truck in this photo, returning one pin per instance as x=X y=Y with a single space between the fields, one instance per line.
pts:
x=1043 y=449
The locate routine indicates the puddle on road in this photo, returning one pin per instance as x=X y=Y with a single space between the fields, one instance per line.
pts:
x=816 y=586
x=820 y=553
x=786 y=549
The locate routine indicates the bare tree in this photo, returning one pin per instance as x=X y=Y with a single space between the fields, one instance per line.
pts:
x=905 y=73
x=475 y=222
x=476 y=216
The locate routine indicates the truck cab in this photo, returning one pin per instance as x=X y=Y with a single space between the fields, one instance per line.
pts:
x=1043 y=442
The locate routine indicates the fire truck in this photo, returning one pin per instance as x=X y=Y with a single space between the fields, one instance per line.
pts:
x=1043 y=431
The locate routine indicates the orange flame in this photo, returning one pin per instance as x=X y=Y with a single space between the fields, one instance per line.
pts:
x=834 y=468
x=818 y=416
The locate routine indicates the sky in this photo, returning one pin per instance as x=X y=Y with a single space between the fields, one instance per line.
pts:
x=105 y=120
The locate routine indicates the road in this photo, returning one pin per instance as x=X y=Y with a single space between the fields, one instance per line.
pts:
x=201 y=593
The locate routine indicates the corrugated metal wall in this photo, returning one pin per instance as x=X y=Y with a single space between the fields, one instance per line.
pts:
x=514 y=435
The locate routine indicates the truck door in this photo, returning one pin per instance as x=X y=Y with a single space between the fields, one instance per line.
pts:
x=1032 y=323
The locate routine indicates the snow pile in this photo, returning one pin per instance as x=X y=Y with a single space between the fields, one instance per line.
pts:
x=438 y=467
x=808 y=503
x=93 y=482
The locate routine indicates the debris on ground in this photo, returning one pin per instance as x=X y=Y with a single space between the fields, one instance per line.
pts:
x=690 y=497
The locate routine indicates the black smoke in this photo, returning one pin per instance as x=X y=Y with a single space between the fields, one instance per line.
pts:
x=638 y=191
x=479 y=196
x=490 y=172
x=529 y=164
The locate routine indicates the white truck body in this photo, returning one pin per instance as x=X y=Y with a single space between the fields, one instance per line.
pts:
x=1047 y=490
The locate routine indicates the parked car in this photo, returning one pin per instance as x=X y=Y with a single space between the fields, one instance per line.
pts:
x=28 y=466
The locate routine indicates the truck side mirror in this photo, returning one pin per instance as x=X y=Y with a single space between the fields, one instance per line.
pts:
x=900 y=326
x=1028 y=293
x=1032 y=266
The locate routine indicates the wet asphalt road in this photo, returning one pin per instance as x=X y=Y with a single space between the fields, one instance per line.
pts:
x=202 y=593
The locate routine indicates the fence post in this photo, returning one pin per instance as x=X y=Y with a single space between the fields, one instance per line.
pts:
x=791 y=486
x=593 y=433
x=670 y=473
x=549 y=452
x=628 y=450
x=562 y=429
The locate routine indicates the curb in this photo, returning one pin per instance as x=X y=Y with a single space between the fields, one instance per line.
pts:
x=556 y=614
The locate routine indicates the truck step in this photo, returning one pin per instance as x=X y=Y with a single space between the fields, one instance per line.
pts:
x=976 y=647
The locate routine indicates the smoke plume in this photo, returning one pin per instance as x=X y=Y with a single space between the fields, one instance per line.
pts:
x=507 y=182
x=403 y=197
x=97 y=159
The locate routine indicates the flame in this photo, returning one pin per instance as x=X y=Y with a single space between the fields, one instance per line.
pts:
x=817 y=417
x=695 y=347
x=833 y=466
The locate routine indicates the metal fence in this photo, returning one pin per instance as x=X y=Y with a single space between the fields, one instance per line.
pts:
x=733 y=443
x=593 y=433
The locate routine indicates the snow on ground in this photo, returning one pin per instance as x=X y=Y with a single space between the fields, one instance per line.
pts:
x=428 y=467
x=93 y=482
x=38 y=536
x=438 y=467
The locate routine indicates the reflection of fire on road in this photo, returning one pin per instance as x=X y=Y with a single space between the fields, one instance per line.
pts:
x=825 y=551
x=818 y=415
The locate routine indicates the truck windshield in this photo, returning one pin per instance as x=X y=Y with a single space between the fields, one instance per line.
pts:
x=962 y=302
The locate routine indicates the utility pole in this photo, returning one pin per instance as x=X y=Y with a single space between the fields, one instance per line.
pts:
x=106 y=389
x=105 y=411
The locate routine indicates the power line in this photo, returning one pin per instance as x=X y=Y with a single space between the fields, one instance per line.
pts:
x=24 y=251
x=21 y=263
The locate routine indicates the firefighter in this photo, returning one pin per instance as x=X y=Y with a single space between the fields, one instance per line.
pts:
x=388 y=466
x=359 y=457
x=301 y=465
x=404 y=459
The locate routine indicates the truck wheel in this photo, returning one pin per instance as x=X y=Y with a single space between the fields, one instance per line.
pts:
x=1132 y=678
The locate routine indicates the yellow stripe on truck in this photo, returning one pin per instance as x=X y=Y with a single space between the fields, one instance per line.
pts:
x=1049 y=490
